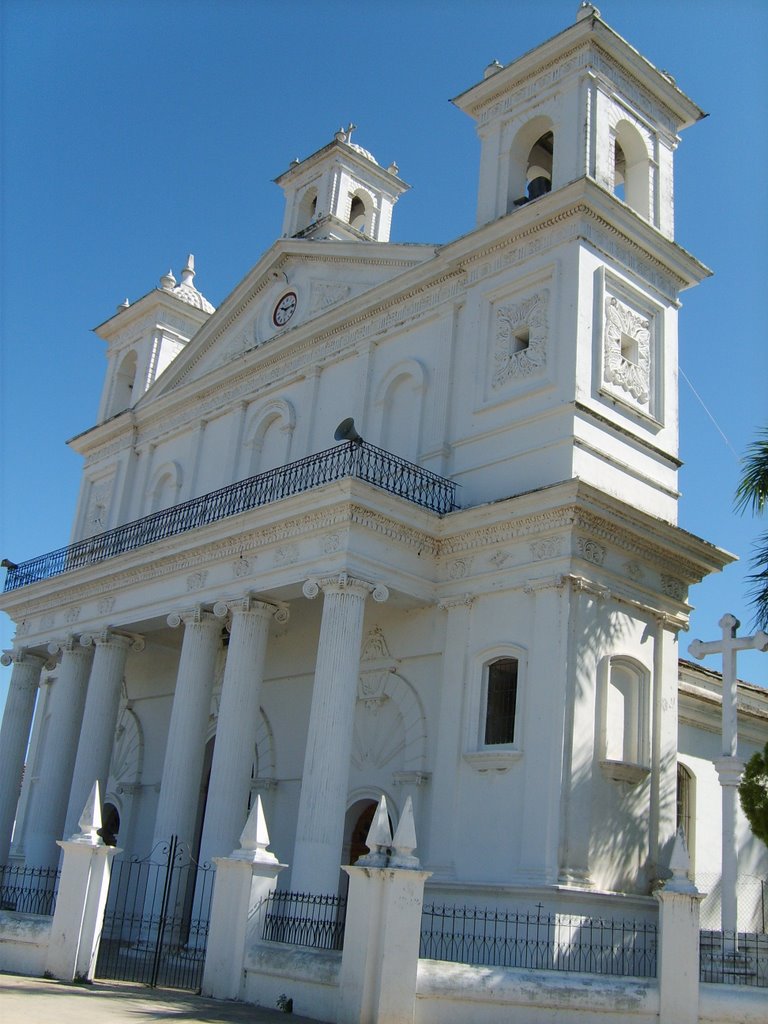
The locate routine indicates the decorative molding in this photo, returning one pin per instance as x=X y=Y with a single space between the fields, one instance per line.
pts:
x=529 y=318
x=673 y=587
x=196 y=580
x=324 y=294
x=460 y=568
x=621 y=771
x=547 y=547
x=242 y=566
x=492 y=760
x=591 y=550
x=624 y=325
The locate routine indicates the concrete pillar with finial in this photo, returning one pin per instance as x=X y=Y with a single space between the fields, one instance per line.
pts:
x=82 y=897
x=244 y=880
x=678 y=948
x=381 y=939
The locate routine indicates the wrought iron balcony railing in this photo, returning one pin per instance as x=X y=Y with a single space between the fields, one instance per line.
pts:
x=361 y=460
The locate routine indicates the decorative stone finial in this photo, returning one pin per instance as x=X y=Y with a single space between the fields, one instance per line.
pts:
x=168 y=282
x=254 y=838
x=90 y=820
x=393 y=168
x=679 y=865
x=124 y=304
x=492 y=69
x=404 y=840
x=586 y=10
x=341 y=135
x=188 y=273
x=379 y=838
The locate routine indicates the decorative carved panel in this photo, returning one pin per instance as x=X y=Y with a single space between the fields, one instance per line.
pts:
x=521 y=338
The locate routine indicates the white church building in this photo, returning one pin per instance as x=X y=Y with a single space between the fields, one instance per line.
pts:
x=475 y=596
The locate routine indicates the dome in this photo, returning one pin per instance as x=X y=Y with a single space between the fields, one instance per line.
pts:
x=363 y=152
x=186 y=290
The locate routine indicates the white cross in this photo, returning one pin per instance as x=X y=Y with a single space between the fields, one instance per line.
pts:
x=728 y=766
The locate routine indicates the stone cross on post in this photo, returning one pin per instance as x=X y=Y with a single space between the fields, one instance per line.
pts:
x=729 y=767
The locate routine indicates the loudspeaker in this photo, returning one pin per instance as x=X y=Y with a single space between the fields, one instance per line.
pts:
x=346 y=431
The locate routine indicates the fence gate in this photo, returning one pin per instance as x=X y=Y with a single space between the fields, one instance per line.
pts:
x=156 y=922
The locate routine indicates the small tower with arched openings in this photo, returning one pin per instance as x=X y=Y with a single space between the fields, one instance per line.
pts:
x=145 y=336
x=340 y=192
x=584 y=104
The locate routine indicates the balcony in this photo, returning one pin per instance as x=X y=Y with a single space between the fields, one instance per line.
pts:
x=352 y=459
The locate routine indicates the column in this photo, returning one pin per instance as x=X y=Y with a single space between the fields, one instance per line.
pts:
x=233 y=752
x=449 y=739
x=544 y=706
x=325 y=780
x=14 y=735
x=183 y=764
x=729 y=772
x=97 y=733
x=49 y=805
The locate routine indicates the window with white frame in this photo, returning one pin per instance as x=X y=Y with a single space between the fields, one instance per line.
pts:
x=493 y=726
x=500 y=704
x=625 y=716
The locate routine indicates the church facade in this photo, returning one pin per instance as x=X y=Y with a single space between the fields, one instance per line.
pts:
x=472 y=597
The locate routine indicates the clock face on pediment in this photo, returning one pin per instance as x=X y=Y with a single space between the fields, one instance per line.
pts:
x=284 y=309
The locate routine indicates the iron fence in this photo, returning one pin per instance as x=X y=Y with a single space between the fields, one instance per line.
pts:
x=304 y=919
x=155 y=927
x=364 y=461
x=538 y=940
x=29 y=890
x=734 y=958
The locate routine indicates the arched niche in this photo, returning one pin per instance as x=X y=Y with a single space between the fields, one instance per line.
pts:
x=165 y=486
x=361 y=211
x=306 y=213
x=399 y=403
x=268 y=436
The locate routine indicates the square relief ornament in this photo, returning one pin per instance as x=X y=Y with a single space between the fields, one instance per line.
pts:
x=628 y=353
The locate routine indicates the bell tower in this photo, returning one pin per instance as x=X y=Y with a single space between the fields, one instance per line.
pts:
x=583 y=104
x=576 y=169
x=340 y=192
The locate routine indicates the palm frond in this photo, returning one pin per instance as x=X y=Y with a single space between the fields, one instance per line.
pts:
x=752 y=492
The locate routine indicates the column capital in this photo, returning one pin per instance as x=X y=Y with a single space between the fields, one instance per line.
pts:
x=556 y=582
x=21 y=654
x=194 y=617
x=341 y=583
x=252 y=605
x=119 y=640
x=67 y=645
x=581 y=584
x=729 y=770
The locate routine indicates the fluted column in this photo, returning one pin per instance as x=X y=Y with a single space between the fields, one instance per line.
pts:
x=324 y=783
x=184 y=752
x=227 y=808
x=14 y=735
x=49 y=803
x=97 y=734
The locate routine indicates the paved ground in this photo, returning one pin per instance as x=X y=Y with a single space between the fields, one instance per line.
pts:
x=36 y=1001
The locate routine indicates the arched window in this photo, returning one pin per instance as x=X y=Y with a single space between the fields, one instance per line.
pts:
x=358 y=213
x=110 y=824
x=307 y=212
x=500 y=702
x=631 y=169
x=684 y=817
x=531 y=162
x=624 y=727
x=122 y=388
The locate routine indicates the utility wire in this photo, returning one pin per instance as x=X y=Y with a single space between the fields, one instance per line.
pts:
x=706 y=410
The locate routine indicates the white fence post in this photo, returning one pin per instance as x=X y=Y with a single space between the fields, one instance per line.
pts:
x=81 y=899
x=383 y=927
x=678 y=951
x=243 y=881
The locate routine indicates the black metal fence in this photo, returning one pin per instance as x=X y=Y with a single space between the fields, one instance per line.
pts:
x=364 y=461
x=156 y=922
x=29 y=890
x=304 y=919
x=544 y=941
x=734 y=958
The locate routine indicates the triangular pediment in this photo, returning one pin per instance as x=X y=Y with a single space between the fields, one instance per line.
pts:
x=295 y=282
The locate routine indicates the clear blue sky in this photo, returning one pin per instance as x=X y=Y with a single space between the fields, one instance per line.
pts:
x=134 y=132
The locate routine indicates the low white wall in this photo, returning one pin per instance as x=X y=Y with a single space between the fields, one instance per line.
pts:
x=24 y=942
x=449 y=993
x=308 y=976
x=732 y=1004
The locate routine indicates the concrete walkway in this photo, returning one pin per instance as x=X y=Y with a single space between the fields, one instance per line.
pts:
x=36 y=1001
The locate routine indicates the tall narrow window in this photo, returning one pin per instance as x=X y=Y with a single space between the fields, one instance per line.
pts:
x=357 y=213
x=683 y=817
x=500 y=702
